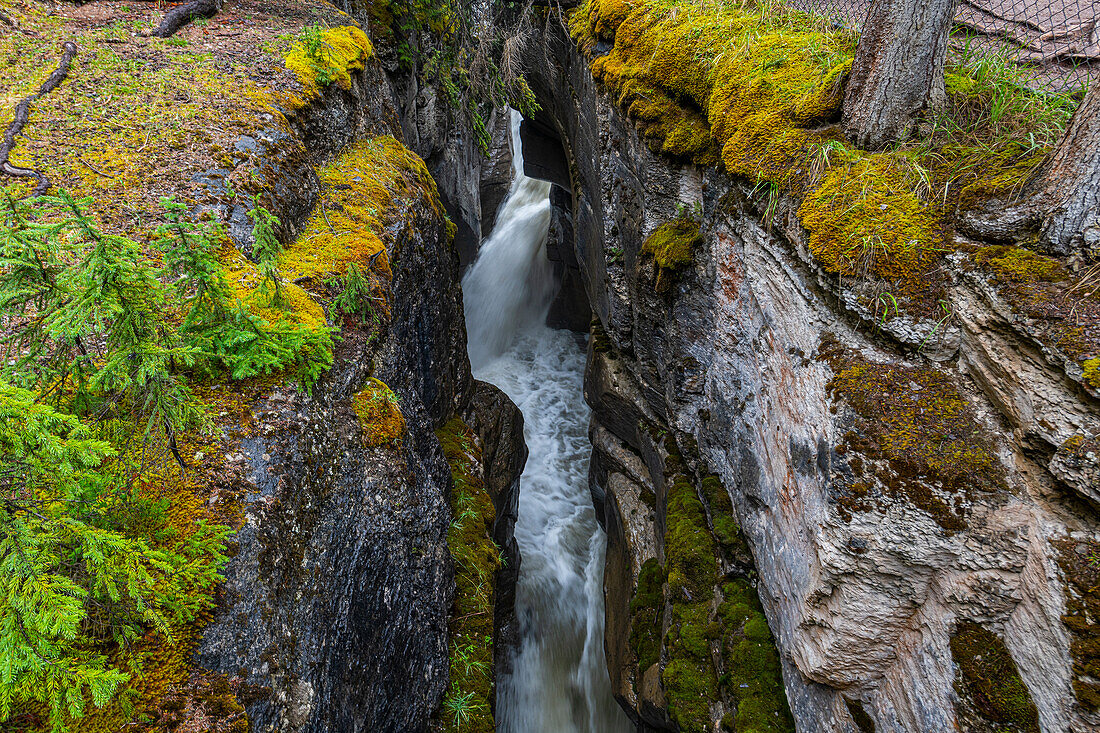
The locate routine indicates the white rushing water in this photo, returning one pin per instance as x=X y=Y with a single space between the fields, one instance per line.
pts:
x=559 y=681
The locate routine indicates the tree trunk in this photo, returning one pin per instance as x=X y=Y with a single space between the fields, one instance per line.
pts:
x=1060 y=209
x=898 y=69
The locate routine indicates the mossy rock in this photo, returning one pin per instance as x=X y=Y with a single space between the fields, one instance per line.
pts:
x=646 y=614
x=373 y=183
x=765 y=90
x=988 y=676
x=701 y=622
x=379 y=413
x=672 y=248
x=328 y=56
x=476 y=560
x=754 y=677
x=690 y=687
x=689 y=545
x=917 y=420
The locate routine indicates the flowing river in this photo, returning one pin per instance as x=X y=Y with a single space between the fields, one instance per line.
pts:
x=558 y=682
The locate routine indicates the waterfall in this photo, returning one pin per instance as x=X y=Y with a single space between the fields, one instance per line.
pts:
x=558 y=682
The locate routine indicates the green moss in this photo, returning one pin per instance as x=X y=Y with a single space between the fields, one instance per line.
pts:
x=689 y=546
x=917 y=420
x=988 y=676
x=646 y=615
x=476 y=560
x=726 y=530
x=671 y=246
x=754 y=678
x=701 y=622
x=689 y=678
x=690 y=687
x=1061 y=308
x=379 y=413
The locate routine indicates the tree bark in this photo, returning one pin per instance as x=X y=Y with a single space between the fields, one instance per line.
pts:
x=1059 y=210
x=898 y=69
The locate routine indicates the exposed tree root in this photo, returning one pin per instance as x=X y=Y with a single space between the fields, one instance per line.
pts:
x=1059 y=210
x=22 y=114
x=180 y=16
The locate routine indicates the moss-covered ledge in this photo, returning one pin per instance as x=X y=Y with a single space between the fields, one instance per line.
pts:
x=757 y=90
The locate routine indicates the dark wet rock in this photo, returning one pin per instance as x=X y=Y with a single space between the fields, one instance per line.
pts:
x=498 y=422
x=334 y=611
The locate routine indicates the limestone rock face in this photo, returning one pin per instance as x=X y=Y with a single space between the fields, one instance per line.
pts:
x=868 y=559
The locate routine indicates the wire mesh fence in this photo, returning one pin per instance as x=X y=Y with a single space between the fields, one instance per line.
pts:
x=1053 y=45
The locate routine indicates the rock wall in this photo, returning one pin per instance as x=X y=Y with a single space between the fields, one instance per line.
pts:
x=334 y=614
x=872 y=560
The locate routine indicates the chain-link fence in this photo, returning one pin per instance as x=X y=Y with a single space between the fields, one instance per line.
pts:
x=1054 y=45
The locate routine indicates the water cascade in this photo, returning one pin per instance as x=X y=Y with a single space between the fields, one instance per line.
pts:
x=558 y=682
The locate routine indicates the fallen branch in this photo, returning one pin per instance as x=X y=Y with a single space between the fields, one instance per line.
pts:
x=93 y=169
x=180 y=16
x=22 y=114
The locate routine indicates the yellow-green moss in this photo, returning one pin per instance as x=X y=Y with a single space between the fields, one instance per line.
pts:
x=379 y=413
x=763 y=85
x=328 y=57
x=680 y=69
x=1092 y=372
x=988 y=677
x=364 y=190
x=477 y=559
x=865 y=218
x=671 y=246
x=1021 y=265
